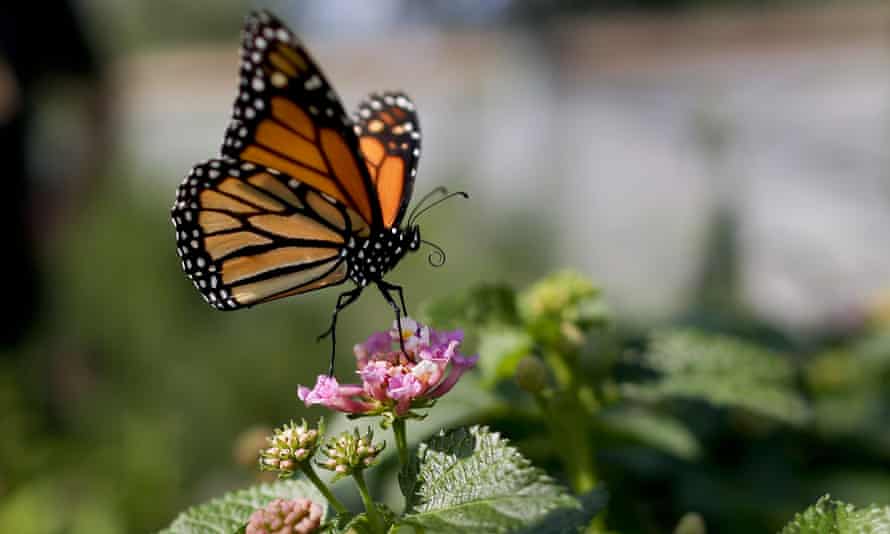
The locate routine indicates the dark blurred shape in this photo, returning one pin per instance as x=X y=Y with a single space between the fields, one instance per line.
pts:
x=40 y=43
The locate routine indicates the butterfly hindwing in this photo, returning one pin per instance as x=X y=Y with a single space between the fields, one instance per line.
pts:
x=389 y=137
x=288 y=117
x=248 y=234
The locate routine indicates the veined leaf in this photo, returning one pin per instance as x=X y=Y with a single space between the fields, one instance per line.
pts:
x=471 y=480
x=230 y=512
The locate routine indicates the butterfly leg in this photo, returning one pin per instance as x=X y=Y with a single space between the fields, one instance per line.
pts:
x=344 y=300
x=397 y=289
x=384 y=290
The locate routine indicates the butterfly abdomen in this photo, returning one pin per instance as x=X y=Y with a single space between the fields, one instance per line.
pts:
x=370 y=259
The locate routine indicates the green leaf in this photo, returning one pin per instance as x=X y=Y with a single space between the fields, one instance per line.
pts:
x=500 y=350
x=723 y=371
x=358 y=525
x=231 y=511
x=658 y=431
x=563 y=520
x=484 y=304
x=471 y=480
x=835 y=517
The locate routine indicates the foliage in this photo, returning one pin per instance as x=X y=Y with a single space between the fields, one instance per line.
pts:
x=836 y=517
x=720 y=370
x=499 y=492
x=661 y=432
x=701 y=416
x=231 y=511
x=676 y=393
x=472 y=480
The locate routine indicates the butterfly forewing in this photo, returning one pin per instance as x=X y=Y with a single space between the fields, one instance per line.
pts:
x=302 y=197
x=288 y=117
x=389 y=138
x=248 y=234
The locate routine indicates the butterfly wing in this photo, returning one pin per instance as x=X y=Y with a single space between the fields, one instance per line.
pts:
x=248 y=234
x=389 y=138
x=288 y=117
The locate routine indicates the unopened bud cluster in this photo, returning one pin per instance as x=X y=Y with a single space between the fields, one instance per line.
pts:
x=290 y=446
x=300 y=516
x=562 y=309
x=350 y=452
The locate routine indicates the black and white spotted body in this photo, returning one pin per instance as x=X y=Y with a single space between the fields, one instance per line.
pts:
x=371 y=258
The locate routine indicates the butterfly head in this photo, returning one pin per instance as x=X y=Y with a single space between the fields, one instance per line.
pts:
x=412 y=233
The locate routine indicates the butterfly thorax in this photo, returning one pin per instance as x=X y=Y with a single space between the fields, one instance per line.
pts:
x=370 y=258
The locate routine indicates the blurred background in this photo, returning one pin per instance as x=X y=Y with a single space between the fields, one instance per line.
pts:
x=718 y=162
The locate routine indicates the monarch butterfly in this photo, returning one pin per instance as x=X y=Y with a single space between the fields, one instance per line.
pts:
x=302 y=197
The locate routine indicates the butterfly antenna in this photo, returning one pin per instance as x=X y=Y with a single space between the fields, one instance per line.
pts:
x=441 y=190
x=437 y=256
x=420 y=212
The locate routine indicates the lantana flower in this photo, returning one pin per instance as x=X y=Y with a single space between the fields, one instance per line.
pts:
x=393 y=381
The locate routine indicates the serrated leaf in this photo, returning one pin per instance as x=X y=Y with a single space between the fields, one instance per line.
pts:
x=658 y=431
x=471 y=480
x=720 y=370
x=230 y=512
x=835 y=517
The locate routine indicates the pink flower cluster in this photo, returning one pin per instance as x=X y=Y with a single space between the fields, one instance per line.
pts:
x=281 y=516
x=393 y=380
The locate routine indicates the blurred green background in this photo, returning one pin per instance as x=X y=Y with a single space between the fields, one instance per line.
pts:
x=721 y=164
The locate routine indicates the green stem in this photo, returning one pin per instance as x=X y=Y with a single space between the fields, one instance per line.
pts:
x=574 y=451
x=370 y=508
x=567 y=418
x=398 y=428
x=562 y=371
x=313 y=477
x=583 y=478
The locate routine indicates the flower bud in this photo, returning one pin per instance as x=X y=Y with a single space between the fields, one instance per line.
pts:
x=562 y=308
x=300 y=516
x=532 y=374
x=351 y=452
x=289 y=446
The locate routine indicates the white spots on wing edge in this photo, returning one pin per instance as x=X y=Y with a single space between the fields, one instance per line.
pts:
x=313 y=83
